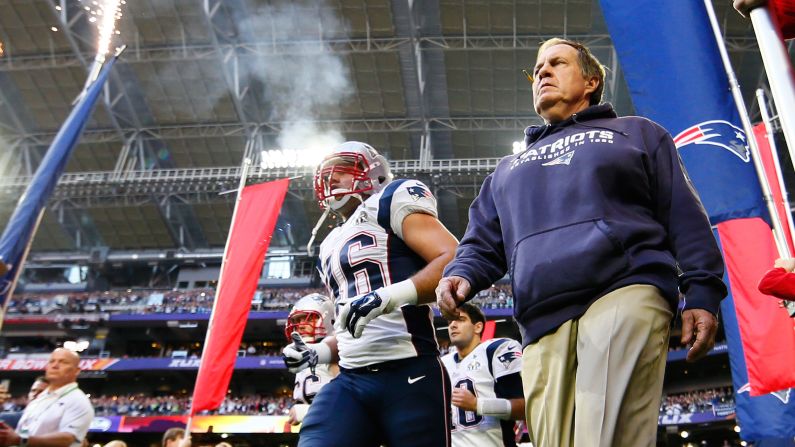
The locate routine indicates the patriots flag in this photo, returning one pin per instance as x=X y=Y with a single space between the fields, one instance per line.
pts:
x=676 y=77
x=19 y=230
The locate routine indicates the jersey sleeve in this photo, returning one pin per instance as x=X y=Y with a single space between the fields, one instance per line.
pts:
x=411 y=196
x=506 y=358
x=506 y=366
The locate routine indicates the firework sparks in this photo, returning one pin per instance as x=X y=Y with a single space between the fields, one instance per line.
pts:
x=109 y=12
x=104 y=14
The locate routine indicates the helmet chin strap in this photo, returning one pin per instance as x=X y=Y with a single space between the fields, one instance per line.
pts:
x=314 y=230
x=332 y=204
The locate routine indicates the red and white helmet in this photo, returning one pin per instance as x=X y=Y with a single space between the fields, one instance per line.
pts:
x=312 y=317
x=369 y=169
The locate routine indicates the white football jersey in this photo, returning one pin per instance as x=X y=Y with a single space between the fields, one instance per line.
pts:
x=477 y=372
x=307 y=384
x=366 y=253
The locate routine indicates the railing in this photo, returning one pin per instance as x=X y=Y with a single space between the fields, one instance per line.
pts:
x=90 y=183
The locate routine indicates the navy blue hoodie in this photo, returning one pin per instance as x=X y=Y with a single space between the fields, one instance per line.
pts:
x=594 y=203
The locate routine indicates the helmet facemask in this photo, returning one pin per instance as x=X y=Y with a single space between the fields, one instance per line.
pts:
x=349 y=167
x=308 y=324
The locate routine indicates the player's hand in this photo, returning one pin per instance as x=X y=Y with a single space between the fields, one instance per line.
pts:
x=787 y=264
x=299 y=356
x=297 y=413
x=357 y=312
x=451 y=292
x=698 y=329
x=464 y=399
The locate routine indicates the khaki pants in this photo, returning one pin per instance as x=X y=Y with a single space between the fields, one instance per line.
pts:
x=597 y=381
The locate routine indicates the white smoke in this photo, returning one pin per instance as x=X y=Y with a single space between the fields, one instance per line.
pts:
x=297 y=87
x=302 y=86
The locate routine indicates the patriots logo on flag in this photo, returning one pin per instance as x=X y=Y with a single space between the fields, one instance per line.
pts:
x=718 y=133
x=418 y=192
x=507 y=358
x=782 y=395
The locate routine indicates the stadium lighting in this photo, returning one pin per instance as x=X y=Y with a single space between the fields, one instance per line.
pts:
x=684 y=434
x=224 y=435
x=518 y=146
x=290 y=158
x=737 y=429
x=743 y=443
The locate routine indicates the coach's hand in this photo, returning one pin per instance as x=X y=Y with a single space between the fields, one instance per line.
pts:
x=357 y=312
x=299 y=356
x=451 y=292
x=699 y=327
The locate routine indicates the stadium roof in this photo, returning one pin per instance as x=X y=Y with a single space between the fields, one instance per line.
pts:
x=436 y=85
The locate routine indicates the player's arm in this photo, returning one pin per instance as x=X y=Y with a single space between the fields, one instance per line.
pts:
x=499 y=407
x=507 y=366
x=517 y=408
x=426 y=236
x=300 y=355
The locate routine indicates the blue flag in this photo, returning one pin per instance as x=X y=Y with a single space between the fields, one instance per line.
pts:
x=675 y=75
x=19 y=230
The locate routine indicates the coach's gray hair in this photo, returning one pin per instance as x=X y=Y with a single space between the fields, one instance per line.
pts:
x=590 y=65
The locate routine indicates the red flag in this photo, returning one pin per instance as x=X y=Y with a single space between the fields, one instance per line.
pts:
x=254 y=220
x=784 y=12
x=766 y=330
x=488 y=330
x=766 y=155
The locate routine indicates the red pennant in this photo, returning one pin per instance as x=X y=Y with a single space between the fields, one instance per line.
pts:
x=255 y=219
x=766 y=330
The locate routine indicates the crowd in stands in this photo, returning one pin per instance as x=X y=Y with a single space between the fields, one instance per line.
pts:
x=700 y=401
x=188 y=301
x=142 y=405
x=496 y=297
x=133 y=350
x=696 y=401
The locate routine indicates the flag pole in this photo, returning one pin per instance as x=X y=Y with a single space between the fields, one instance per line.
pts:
x=17 y=269
x=243 y=176
x=768 y=120
x=778 y=232
x=780 y=74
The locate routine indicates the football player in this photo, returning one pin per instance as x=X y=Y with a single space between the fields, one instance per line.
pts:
x=487 y=383
x=381 y=267
x=310 y=320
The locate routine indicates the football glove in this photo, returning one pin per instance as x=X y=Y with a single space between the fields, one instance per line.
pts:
x=299 y=355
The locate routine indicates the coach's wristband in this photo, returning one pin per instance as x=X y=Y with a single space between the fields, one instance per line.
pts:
x=500 y=408
x=399 y=294
x=323 y=351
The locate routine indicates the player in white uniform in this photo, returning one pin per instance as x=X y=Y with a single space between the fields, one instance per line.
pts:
x=487 y=383
x=311 y=319
x=381 y=266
